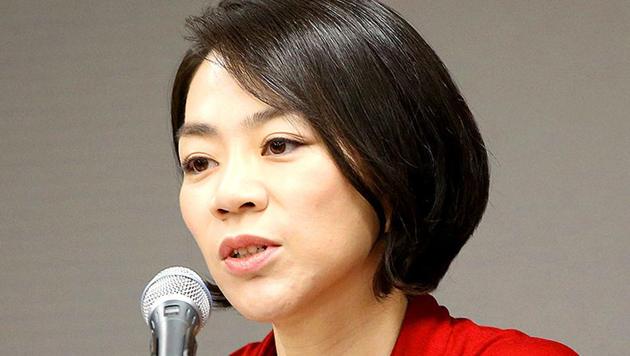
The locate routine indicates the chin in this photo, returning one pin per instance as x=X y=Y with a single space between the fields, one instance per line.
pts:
x=258 y=304
x=257 y=313
x=264 y=311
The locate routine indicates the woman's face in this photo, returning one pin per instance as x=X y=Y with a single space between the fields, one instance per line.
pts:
x=279 y=226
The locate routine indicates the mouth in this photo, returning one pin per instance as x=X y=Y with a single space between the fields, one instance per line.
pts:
x=245 y=255
x=243 y=246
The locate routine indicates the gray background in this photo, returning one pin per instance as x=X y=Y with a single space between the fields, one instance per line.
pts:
x=88 y=193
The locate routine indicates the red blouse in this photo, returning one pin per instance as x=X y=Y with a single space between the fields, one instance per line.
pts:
x=428 y=329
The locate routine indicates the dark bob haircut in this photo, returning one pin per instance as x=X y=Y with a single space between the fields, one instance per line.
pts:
x=381 y=101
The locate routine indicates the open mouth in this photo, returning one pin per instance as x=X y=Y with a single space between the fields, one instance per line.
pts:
x=243 y=248
x=247 y=251
x=246 y=254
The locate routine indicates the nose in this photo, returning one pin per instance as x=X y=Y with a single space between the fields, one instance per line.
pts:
x=239 y=191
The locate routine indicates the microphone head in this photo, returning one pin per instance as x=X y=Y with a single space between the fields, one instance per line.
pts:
x=179 y=283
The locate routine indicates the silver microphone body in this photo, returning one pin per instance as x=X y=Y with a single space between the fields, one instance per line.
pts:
x=175 y=304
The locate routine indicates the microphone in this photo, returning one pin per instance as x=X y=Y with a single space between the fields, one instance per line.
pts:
x=175 y=304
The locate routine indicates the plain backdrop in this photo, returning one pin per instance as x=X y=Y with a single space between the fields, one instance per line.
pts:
x=88 y=187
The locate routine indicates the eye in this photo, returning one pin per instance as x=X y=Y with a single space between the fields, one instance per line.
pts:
x=279 y=145
x=196 y=165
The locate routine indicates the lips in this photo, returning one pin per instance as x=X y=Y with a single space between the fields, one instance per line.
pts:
x=237 y=259
x=232 y=244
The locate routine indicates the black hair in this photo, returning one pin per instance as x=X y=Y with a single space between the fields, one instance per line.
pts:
x=384 y=105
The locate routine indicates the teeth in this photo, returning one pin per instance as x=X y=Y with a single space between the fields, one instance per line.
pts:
x=246 y=251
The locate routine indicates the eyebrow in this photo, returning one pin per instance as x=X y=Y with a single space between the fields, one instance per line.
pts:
x=252 y=121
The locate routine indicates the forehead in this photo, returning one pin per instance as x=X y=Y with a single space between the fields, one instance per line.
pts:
x=213 y=92
x=216 y=100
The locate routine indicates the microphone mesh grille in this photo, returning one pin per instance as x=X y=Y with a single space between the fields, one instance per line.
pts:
x=174 y=282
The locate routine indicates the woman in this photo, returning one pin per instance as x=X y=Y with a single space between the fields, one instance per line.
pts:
x=331 y=173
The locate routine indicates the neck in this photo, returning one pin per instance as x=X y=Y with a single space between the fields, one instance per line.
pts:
x=345 y=324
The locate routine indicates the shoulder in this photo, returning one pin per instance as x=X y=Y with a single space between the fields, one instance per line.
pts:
x=469 y=338
x=429 y=329
x=528 y=346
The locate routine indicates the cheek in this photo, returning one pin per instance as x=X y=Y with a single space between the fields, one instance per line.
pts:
x=197 y=217
x=337 y=222
x=192 y=210
x=187 y=206
x=315 y=184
